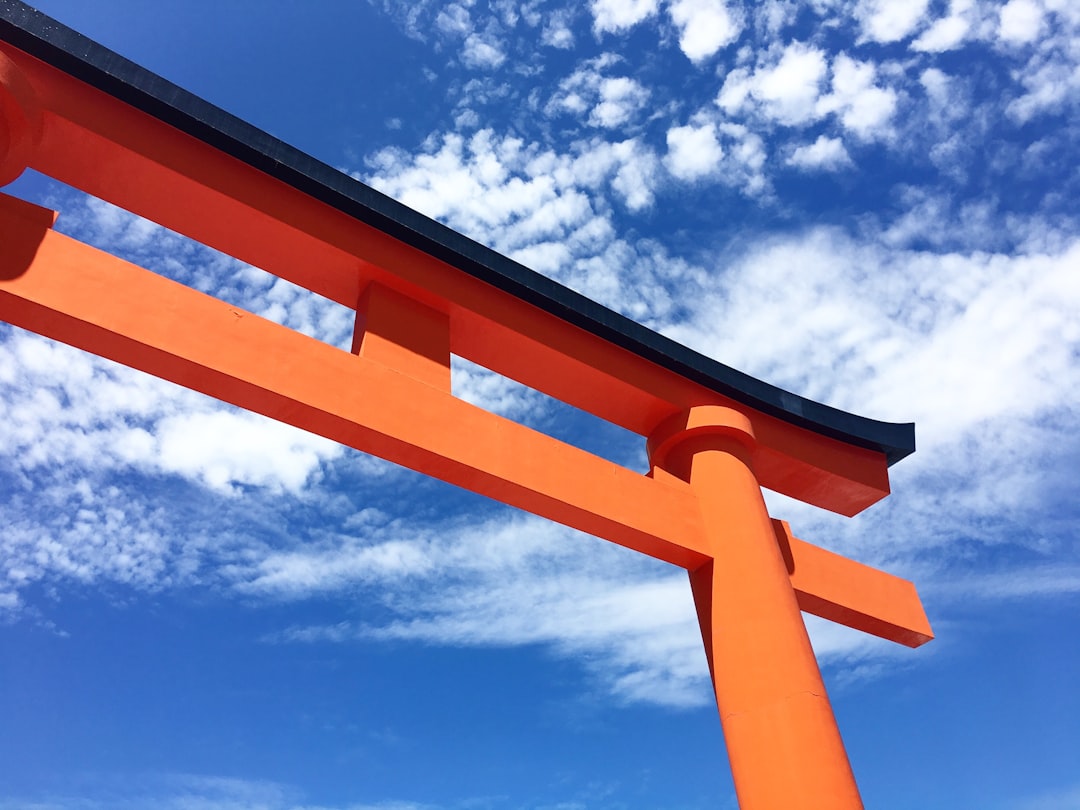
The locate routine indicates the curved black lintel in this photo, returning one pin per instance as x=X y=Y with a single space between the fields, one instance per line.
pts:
x=71 y=52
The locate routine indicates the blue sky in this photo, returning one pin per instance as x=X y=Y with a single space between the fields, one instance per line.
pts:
x=873 y=204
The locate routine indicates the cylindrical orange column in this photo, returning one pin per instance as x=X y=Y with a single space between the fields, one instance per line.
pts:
x=782 y=740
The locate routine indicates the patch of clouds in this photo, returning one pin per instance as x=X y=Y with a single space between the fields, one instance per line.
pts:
x=948 y=32
x=705 y=26
x=824 y=154
x=890 y=20
x=540 y=206
x=864 y=109
x=222 y=449
x=1020 y=21
x=617 y=16
x=773 y=16
x=786 y=91
x=636 y=168
x=557 y=32
x=1019 y=582
x=939 y=90
x=185 y=792
x=745 y=164
x=609 y=101
x=97 y=536
x=454 y=19
x=507 y=582
x=482 y=51
x=693 y=151
x=1050 y=84
x=620 y=100
x=66 y=407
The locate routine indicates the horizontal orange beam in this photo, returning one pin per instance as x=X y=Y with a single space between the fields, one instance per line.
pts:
x=97 y=143
x=63 y=289
x=847 y=592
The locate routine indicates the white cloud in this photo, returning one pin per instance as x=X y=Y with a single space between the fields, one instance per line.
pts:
x=864 y=108
x=1019 y=582
x=705 y=26
x=224 y=448
x=825 y=153
x=786 y=91
x=69 y=408
x=890 y=20
x=938 y=87
x=635 y=177
x=619 y=15
x=775 y=15
x=1050 y=84
x=948 y=32
x=693 y=151
x=539 y=205
x=557 y=33
x=735 y=92
x=620 y=99
x=454 y=19
x=1020 y=21
x=744 y=160
x=789 y=90
x=611 y=101
x=508 y=582
x=482 y=52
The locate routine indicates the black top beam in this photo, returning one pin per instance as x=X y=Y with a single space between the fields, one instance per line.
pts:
x=67 y=50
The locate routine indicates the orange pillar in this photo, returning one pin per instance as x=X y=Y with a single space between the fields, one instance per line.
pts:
x=783 y=744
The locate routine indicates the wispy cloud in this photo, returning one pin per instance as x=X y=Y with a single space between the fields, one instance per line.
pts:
x=184 y=792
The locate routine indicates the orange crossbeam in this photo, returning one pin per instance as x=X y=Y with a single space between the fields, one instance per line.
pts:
x=197 y=190
x=847 y=592
x=85 y=297
x=69 y=291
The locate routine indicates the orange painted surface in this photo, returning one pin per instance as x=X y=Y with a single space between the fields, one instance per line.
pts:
x=847 y=592
x=98 y=144
x=66 y=290
x=20 y=121
x=403 y=334
x=783 y=744
x=826 y=584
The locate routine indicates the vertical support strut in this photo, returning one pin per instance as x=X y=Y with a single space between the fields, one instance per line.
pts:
x=403 y=334
x=783 y=743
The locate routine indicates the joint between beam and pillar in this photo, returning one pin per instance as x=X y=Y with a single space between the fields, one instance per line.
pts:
x=403 y=334
x=769 y=690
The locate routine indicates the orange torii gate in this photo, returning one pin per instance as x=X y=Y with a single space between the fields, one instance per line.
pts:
x=79 y=113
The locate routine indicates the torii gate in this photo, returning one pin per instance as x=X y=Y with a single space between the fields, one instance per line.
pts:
x=83 y=115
